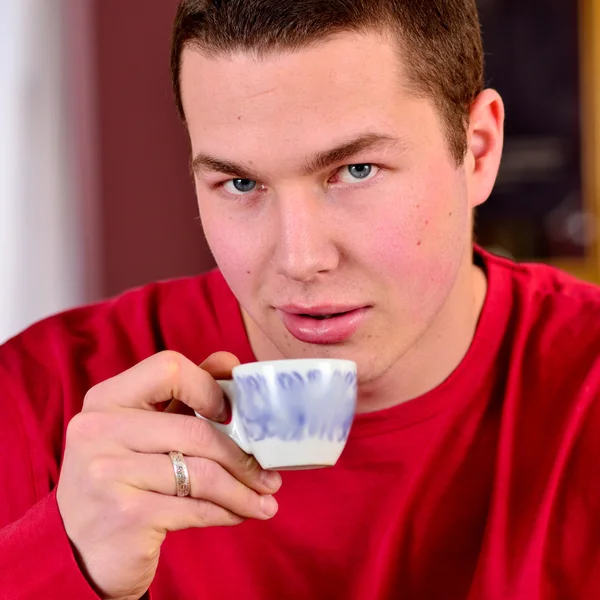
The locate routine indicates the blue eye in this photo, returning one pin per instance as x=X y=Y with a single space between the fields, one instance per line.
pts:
x=360 y=171
x=239 y=186
x=355 y=173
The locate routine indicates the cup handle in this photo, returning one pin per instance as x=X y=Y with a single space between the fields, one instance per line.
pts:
x=234 y=429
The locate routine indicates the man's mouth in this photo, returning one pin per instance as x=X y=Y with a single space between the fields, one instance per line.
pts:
x=324 y=317
x=322 y=325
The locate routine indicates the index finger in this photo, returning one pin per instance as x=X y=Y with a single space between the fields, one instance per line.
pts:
x=163 y=377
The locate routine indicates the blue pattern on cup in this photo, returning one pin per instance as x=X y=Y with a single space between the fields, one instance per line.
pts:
x=297 y=406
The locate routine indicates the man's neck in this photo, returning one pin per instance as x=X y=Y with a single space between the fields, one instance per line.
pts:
x=435 y=356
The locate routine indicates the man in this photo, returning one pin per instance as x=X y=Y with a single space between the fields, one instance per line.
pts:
x=339 y=150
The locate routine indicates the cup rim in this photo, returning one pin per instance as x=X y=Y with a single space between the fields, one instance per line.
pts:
x=286 y=363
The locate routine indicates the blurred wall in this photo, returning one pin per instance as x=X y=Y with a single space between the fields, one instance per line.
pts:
x=45 y=265
x=148 y=226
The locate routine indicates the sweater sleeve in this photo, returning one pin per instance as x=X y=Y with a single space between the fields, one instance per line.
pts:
x=36 y=558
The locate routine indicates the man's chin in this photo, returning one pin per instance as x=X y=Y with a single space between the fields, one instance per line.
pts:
x=320 y=351
x=292 y=348
x=369 y=369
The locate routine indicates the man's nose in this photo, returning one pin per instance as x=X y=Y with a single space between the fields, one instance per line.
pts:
x=305 y=246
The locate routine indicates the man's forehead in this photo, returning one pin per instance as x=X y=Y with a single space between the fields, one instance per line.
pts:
x=345 y=58
x=346 y=40
x=303 y=113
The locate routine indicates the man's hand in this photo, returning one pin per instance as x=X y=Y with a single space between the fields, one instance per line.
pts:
x=116 y=492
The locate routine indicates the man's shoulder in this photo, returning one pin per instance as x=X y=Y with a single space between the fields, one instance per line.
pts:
x=550 y=303
x=552 y=330
x=101 y=339
x=543 y=281
x=549 y=370
x=137 y=307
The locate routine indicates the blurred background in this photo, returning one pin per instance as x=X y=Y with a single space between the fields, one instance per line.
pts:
x=95 y=195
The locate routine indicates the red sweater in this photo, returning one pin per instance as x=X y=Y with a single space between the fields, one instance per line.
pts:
x=485 y=488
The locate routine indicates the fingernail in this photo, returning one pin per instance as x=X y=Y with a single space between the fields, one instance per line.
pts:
x=271 y=479
x=268 y=505
x=224 y=415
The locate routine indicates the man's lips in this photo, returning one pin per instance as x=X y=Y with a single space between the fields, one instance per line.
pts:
x=327 y=324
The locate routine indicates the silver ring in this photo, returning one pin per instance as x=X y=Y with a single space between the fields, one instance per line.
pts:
x=182 y=477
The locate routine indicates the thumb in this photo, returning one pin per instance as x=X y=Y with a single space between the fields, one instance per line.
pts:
x=220 y=364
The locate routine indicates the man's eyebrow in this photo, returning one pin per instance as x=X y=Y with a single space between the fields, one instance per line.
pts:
x=203 y=163
x=322 y=160
x=346 y=150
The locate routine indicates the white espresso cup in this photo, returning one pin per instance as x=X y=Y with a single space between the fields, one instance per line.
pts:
x=291 y=414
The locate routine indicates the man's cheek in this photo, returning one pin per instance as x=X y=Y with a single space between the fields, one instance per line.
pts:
x=396 y=248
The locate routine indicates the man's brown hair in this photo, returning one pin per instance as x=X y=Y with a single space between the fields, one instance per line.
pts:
x=440 y=41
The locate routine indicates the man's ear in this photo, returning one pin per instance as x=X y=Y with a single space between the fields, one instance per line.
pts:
x=485 y=139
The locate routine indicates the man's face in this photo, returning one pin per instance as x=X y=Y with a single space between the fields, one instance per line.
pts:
x=324 y=187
